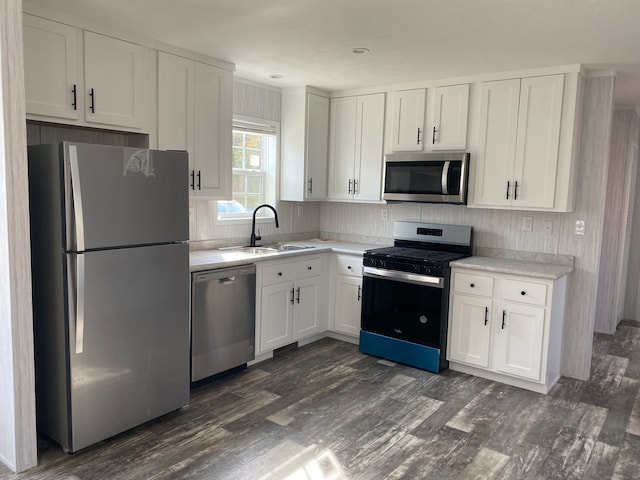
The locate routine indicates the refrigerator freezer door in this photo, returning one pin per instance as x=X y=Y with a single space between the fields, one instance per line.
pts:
x=119 y=196
x=128 y=338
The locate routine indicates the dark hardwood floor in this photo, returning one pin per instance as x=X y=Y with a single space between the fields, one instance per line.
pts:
x=325 y=411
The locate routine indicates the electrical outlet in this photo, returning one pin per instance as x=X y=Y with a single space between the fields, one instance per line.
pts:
x=547 y=228
x=580 y=227
x=384 y=214
x=527 y=224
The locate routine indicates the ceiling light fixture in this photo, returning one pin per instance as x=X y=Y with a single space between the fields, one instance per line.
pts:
x=360 y=50
x=277 y=77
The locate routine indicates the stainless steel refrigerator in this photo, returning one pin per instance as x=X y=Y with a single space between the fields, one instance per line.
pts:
x=110 y=268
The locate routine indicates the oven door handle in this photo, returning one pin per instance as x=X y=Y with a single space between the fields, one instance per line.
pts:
x=437 y=282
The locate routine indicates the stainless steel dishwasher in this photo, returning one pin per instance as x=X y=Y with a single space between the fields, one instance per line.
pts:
x=223 y=319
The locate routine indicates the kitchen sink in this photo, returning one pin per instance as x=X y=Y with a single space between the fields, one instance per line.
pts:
x=255 y=250
x=285 y=247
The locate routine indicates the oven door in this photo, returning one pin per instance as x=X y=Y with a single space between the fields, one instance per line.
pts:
x=405 y=306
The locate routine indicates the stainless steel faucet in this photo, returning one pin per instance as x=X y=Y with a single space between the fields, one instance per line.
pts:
x=254 y=237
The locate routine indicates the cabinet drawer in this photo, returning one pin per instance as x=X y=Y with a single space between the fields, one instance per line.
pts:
x=524 y=292
x=473 y=284
x=310 y=267
x=349 y=265
x=278 y=273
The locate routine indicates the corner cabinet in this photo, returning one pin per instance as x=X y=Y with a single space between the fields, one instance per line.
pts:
x=195 y=114
x=347 y=294
x=83 y=78
x=507 y=328
x=529 y=130
x=290 y=301
x=356 y=148
x=304 y=133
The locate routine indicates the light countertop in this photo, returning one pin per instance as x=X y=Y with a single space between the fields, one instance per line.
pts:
x=515 y=267
x=209 y=259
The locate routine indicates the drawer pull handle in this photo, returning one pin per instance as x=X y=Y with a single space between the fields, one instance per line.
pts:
x=486 y=315
x=523 y=293
x=472 y=285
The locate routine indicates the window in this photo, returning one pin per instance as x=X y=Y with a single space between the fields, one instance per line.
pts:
x=254 y=170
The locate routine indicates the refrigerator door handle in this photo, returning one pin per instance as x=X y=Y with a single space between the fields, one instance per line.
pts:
x=76 y=285
x=77 y=197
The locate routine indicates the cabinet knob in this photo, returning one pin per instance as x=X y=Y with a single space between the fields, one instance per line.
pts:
x=472 y=285
x=309 y=268
x=523 y=293
x=348 y=267
x=279 y=274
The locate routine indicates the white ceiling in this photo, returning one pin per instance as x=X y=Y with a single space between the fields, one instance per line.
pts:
x=309 y=42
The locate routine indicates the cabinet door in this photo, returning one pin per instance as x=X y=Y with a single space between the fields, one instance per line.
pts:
x=317 y=147
x=368 y=151
x=498 y=129
x=347 y=306
x=342 y=146
x=276 y=318
x=176 y=103
x=51 y=70
x=519 y=338
x=536 y=156
x=451 y=109
x=470 y=330
x=408 y=120
x=212 y=131
x=115 y=81
x=306 y=317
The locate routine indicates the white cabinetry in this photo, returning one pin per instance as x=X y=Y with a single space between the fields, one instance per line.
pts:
x=52 y=68
x=408 y=120
x=356 y=147
x=527 y=142
x=83 y=78
x=305 y=143
x=347 y=294
x=195 y=114
x=507 y=328
x=291 y=301
x=451 y=108
x=115 y=81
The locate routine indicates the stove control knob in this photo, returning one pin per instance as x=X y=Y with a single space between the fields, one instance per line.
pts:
x=416 y=268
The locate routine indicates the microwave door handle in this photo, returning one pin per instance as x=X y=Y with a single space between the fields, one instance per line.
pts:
x=445 y=176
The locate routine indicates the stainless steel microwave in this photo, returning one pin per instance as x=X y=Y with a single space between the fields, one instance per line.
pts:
x=426 y=177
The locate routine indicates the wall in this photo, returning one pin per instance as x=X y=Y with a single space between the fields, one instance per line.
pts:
x=632 y=293
x=17 y=400
x=257 y=101
x=500 y=229
x=626 y=129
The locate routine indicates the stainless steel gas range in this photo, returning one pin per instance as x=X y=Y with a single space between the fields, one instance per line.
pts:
x=405 y=293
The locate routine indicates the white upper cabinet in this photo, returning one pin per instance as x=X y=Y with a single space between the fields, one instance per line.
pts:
x=408 y=120
x=305 y=144
x=451 y=107
x=51 y=69
x=83 y=78
x=195 y=114
x=115 y=79
x=356 y=147
x=526 y=154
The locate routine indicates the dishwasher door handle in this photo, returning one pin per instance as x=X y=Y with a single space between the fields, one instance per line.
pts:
x=227 y=280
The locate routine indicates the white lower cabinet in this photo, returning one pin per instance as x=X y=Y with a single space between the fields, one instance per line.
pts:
x=506 y=328
x=347 y=294
x=291 y=301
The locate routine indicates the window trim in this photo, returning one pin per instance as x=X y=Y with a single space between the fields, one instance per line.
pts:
x=269 y=126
